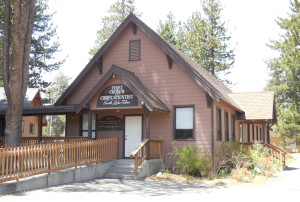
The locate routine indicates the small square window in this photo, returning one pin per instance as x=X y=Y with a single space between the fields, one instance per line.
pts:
x=22 y=126
x=31 y=128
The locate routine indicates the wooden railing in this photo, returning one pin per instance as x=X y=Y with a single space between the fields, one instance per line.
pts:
x=25 y=161
x=275 y=151
x=45 y=140
x=141 y=152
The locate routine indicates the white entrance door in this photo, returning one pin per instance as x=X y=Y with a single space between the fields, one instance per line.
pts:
x=133 y=133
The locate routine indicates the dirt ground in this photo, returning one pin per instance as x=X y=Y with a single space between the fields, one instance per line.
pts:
x=257 y=181
x=167 y=177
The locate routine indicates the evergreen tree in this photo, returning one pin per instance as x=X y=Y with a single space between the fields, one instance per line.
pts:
x=285 y=73
x=204 y=39
x=56 y=123
x=44 y=46
x=168 y=29
x=117 y=13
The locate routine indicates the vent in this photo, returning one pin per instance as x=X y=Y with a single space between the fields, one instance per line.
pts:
x=134 y=50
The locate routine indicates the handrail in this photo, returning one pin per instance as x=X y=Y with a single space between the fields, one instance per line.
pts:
x=280 y=154
x=275 y=151
x=142 y=144
x=140 y=154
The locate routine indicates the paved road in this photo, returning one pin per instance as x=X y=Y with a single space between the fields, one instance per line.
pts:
x=284 y=186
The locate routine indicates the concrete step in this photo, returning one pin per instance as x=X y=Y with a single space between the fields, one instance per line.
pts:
x=121 y=169
x=118 y=176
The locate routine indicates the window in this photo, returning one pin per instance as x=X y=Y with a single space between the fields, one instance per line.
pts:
x=85 y=125
x=134 y=50
x=226 y=127
x=256 y=132
x=219 y=124
x=248 y=132
x=22 y=126
x=232 y=128
x=260 y=133
x=253 y=136
x=241 y=132
x=31 y=128
x=184 y=123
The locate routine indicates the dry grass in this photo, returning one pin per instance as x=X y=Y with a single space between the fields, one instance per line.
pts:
x=166 y=177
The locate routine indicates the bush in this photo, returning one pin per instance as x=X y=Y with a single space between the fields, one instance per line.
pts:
x=193 y=161
x=241 y=175
x=231 y=155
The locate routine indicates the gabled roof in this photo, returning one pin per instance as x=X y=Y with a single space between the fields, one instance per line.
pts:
x=151 y=101
x=213 y=87
x=257 y=106
x=31 y=93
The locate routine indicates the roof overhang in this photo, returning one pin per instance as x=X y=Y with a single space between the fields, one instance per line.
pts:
x=46 y=110
x=147 y=97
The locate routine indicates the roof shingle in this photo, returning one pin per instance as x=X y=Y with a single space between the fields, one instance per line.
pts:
x=257 y=106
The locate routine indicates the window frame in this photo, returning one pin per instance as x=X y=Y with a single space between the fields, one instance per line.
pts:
x=174 y=123
x=253 y=133
x=232 y=127
x=248 y=132
x=87 y=130
x=219 y=124
x=226 y=119
x=257 y=133
x=31 y=128
x=241 y=131
x=130 y=57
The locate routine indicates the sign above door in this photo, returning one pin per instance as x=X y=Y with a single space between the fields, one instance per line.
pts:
x=116 y=95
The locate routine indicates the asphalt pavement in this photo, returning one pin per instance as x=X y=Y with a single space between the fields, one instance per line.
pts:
x=284 y=186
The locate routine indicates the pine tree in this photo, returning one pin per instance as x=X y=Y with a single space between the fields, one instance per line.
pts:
x=117 y=13
x=168 y=29
x=285 y=73
x=204 y=39
x=44 y=46
x=17 y=34
x=56 y=123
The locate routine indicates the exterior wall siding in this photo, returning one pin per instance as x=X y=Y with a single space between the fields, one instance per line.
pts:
x=173 y=87
x=34 y=120
x=73 y=125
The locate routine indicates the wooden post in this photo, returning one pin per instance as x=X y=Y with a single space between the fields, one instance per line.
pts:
x=264 y=131
x=147 y=112
x=40 y=129
x=90 y=124
x=268 y=133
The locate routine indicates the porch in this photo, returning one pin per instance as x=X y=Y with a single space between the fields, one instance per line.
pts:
x=35 y=159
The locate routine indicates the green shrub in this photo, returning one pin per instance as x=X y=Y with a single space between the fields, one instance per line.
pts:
x=231 y=155
x=193 y=161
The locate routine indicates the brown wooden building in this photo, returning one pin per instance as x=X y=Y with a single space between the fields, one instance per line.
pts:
x=138 y=86
x=30 y=124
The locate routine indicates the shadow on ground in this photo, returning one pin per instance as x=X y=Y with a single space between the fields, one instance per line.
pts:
x=143 y=188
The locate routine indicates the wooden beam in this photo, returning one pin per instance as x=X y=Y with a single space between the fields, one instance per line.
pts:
x=90 y=124
x=170 y=62
x=147 y=112
x=134 y=28
x=100 y=65
x=209 y=101
x=40 y=128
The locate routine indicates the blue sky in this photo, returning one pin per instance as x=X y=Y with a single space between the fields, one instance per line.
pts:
x=250 y=23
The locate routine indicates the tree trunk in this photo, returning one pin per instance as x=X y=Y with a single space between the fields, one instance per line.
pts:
x=15 y=71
